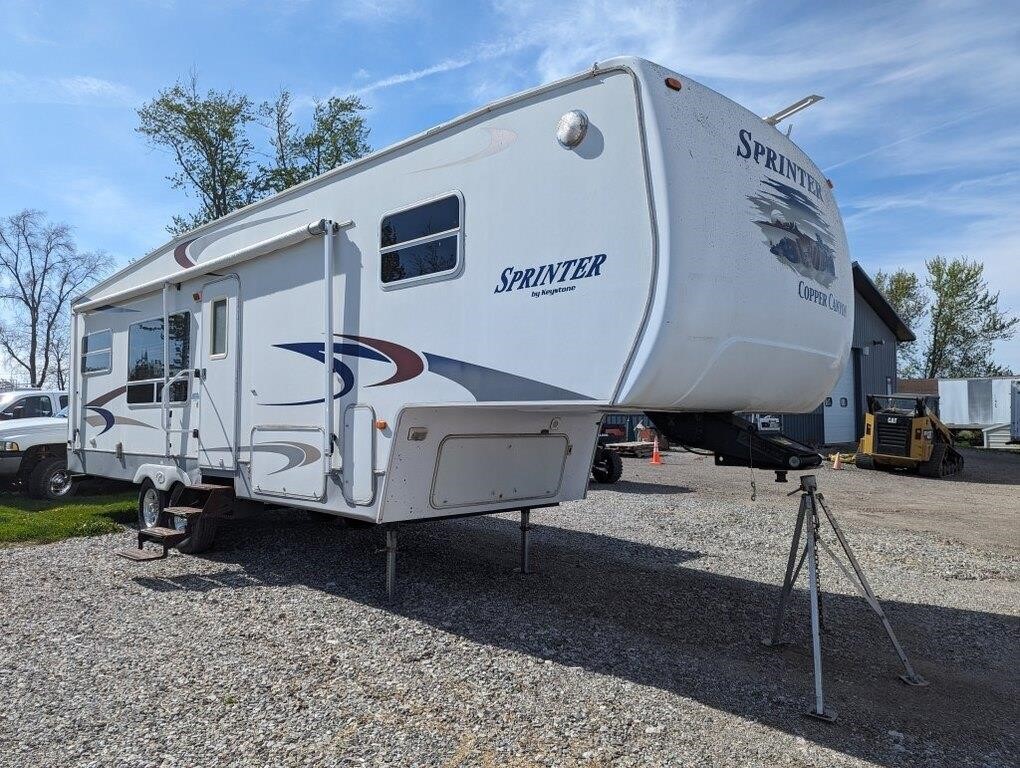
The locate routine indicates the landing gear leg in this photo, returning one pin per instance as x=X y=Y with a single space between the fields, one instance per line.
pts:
x=391 y=562
x=525 y=541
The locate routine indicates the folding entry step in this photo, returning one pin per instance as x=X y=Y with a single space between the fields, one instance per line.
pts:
x=202 y=500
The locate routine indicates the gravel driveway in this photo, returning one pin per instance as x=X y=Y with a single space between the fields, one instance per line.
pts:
x=636 y=642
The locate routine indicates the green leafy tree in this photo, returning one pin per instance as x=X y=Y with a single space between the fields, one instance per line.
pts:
x=278 y=119
x=339 y=134
x=964 y=322
x=956 y=316
x=218 y=161
x=208 y=136
x=907 y=294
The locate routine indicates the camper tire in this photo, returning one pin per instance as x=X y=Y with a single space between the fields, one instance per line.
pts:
x=151 y=503
x=50 y=479
x=203 y=533
x=608 y=468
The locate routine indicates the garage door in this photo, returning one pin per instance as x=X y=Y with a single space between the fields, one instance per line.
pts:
x=839 y=409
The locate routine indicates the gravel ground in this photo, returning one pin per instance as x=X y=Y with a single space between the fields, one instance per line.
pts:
x=636 y=642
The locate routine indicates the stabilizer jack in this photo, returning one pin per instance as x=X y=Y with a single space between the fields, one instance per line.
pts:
x=809 y=518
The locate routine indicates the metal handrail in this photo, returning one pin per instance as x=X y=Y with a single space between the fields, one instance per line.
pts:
x=165 y=419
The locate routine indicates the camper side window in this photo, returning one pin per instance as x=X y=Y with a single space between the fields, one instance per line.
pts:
x=145 y=359
x=421 y=242
x=95 y=352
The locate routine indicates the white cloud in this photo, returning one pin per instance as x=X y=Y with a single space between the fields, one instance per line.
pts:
x=16 y=87
x=376 y=10
x=415 y=74
x=481 y=53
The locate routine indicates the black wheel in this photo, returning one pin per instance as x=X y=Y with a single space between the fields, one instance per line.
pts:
x=863 y=461
x=936 y=464
x=202 y=530
x=608 y=468
x=203 y=534
x=50 y=480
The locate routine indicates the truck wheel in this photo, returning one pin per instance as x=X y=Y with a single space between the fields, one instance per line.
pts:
x=608 y=468
x=50 y=480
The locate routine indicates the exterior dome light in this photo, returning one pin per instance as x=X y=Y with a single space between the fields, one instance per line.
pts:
x=571 y=128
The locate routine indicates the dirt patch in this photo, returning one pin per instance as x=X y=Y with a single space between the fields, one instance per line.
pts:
x=979 y=506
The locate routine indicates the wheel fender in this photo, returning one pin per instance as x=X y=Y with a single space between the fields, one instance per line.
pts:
x=162 y=475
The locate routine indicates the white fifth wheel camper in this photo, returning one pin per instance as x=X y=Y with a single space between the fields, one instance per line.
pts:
x=438 y=329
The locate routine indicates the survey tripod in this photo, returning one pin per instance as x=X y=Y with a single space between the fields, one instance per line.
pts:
x=808 y=517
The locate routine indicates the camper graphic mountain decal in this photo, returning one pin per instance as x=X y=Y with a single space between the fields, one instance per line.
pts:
x=795 y=230
x=485 y=384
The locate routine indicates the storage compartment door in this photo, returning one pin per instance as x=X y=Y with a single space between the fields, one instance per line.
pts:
x=287 y=461
x=474 y=470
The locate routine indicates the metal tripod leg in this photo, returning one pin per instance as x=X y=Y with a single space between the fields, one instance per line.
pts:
x=819 y=711
x=910 y=677
x=792 y=571
x=525 y=541
x=391 y=562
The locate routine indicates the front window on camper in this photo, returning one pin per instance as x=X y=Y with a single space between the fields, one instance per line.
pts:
x=145 y=359
x=421 y=241
x=95 y=352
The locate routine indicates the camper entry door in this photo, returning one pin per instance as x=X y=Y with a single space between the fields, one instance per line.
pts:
x=217 y=408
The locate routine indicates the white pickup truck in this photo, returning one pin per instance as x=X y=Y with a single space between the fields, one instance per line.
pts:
x=33 y=443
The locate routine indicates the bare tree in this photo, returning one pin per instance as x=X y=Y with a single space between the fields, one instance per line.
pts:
x=40 y=271
x=60 y=352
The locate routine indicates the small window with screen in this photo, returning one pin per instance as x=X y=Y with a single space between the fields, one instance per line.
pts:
x=218 y=329
x=96 y=352
x=423 y=243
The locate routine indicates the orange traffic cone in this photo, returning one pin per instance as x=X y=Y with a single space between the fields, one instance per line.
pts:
x=656 y=456
x=837 y=463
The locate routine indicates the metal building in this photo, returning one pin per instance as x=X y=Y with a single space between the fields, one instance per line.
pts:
x=871 y=370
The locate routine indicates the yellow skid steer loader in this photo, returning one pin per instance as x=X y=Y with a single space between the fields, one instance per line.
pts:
x=903 y=432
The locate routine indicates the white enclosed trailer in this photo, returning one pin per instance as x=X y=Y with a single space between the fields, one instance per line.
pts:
x=437 y=329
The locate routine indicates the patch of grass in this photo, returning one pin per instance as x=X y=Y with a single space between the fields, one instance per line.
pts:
x=33 y=520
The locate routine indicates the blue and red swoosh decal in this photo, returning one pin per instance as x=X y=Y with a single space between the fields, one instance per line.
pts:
x=485 y=384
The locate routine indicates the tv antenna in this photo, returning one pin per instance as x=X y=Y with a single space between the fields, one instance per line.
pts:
x=793 y=109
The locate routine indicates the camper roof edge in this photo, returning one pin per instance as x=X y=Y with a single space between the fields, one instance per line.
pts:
x=617 y=63
x=315 y=228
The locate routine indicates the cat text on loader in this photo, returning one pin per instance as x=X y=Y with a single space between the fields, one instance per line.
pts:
x=903 y=432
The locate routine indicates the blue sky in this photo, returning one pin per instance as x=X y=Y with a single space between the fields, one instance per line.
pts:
x=918 y=129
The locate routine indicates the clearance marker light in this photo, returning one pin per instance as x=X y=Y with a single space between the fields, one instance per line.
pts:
x=571 y=129
x=673 y=83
